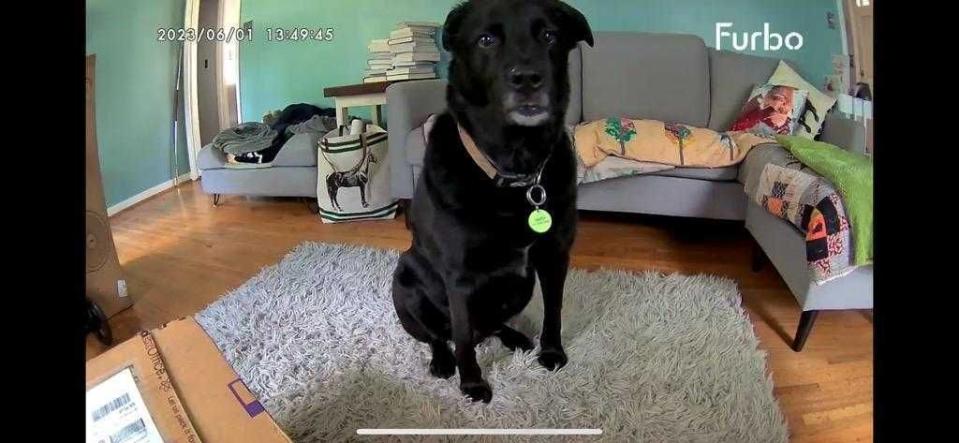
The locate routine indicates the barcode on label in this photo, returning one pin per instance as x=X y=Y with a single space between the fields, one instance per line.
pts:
x=113 y=405
x=135 y=429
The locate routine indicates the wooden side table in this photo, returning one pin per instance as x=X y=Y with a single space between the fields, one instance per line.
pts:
x=363 y=94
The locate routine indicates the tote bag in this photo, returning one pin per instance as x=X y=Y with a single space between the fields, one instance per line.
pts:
x=353 y=181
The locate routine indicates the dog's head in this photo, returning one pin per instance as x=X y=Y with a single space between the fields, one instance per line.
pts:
x=511 y=56
x=509 y=65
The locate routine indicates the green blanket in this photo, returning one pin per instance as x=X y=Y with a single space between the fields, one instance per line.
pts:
x=851 y=174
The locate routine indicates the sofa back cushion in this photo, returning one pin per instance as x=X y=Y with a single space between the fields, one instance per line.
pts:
x=732 y=77
x=646 y=76
x=574 y=112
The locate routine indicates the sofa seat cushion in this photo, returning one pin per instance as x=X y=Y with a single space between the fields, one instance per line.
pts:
x=728 y=173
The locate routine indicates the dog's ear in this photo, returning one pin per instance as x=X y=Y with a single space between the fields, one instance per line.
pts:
x=572 y=23
x=453 y=22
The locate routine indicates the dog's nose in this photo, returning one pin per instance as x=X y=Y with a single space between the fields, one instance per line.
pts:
x=525 y=78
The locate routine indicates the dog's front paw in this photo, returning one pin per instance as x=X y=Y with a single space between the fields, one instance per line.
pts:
x=552 y=358
x=477 y=391
x=514 y=340
x=442 y=367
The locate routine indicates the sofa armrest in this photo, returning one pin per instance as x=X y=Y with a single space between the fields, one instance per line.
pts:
x=843 y=132
x=210 y=158
x=409 y=104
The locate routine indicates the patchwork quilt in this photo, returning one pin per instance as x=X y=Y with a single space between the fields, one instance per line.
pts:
x=814 y=206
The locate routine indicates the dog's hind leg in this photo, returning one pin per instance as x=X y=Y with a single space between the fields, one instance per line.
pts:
x=421 y=319
x=514 y=339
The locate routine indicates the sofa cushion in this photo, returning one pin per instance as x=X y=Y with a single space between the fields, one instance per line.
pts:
x=728 y=173
x=768 y=103
x=299 y=150
x=647 y=76
x=816 y=107
x=574 y=111
x=732 y=76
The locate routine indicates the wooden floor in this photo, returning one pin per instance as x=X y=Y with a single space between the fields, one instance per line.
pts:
x=180 y=253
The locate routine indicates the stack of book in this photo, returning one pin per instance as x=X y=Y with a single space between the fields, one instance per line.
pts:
x=414 y=50
x=380 y=61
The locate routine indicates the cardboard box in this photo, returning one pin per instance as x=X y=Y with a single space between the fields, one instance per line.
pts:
x=192 y=393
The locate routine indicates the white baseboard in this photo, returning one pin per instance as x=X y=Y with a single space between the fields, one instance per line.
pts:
x=112 y=210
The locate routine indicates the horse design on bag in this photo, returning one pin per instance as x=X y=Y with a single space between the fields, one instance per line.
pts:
x=354 y=178
x=355 y=159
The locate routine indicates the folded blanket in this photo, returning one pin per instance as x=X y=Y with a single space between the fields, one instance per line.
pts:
x=654 y=141
x=851 y=173
x=244 y=138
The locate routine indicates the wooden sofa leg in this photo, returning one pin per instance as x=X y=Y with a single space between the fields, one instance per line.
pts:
x=759 y=258
x=216 y=200
x=805 y=325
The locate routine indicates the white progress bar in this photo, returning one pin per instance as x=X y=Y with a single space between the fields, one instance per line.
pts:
x=466 y=431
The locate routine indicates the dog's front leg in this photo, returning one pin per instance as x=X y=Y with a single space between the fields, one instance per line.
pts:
x=551 y=266
x=471 y=376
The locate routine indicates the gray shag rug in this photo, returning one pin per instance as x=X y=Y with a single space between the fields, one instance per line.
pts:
x=652 y=357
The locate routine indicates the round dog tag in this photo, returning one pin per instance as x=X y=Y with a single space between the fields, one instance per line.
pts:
x=540 y=221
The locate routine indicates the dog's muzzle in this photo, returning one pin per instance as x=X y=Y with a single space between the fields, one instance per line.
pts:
x=527 y=111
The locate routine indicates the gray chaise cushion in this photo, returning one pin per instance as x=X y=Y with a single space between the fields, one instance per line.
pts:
x=649 y=76
x=732 y=78
x=299 y=150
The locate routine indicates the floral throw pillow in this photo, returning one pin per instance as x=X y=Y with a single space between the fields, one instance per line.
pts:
x=771 y=110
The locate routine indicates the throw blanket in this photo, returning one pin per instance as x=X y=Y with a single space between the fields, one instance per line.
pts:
x=811 y=204
x=851 y=174
x=247 y=137
x=318 y=123
x=653 y=141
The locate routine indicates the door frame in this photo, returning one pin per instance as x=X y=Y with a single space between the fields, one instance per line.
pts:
x=191 y=20
x=191 y=106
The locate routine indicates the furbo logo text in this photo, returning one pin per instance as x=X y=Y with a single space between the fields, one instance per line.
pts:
x=770 y=41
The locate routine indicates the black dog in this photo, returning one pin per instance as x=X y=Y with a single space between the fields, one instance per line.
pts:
x=497 y=154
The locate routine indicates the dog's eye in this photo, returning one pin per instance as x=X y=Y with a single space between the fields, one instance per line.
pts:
x=549 y=37
x=487 y=41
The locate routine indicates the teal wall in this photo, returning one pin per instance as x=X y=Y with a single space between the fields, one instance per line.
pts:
x=276 y=74
x=135 y=79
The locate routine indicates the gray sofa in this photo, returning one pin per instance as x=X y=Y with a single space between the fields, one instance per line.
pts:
x=668 y=77
x=291 y=174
